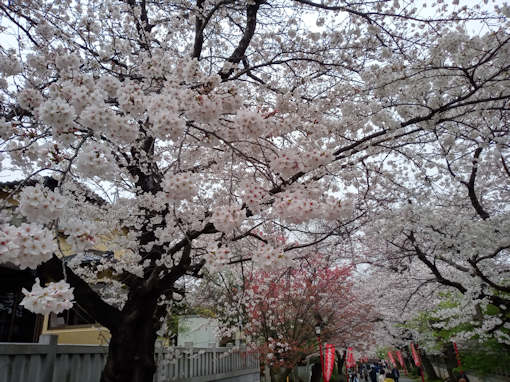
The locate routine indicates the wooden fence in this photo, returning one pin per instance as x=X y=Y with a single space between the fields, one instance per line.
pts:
x=49 y=362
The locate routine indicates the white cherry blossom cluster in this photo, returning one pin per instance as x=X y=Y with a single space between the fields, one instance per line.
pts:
x=102 y=120
x=96 y=118
x=227 y=218
x=167 y=124
x=57 y=113
x=29 y=99
x=9 y=64
x=6 y=129
x=204 y=108
x=269 y=258
x=216 y=258
x=95 y=160
x=26 y=246
x=231 y=102
x=131 y=99
x=301 y=205
x=333 y=209
x=79 y=92
x=290 y=162
x=110 y=85
x=55 y=298
x=296 y=207
x=253 y=194
x=250 y=124
x=312 y=159
x=286 y=164
x=130 y=262
x=80 y=233
x=67 y=61
x=40 y=204
x=181 y=186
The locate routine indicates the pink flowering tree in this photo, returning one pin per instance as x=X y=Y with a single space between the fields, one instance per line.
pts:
x=278 y=310
x=185 y=135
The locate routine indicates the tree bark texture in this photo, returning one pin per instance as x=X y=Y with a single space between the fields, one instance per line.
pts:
x=131 y=353
x=427 y=365
x=279 y=374
x=450 y=360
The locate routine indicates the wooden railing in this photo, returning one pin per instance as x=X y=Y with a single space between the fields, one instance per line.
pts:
x=49 y=362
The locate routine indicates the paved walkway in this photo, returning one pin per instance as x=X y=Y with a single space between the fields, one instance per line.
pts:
x=403 y=378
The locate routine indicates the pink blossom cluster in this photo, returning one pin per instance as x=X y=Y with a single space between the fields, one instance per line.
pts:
x=55 y=298
x=286 y=164
x=98 y=118
x=26 y=246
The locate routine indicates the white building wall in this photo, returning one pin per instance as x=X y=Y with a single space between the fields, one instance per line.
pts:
x=198 y=330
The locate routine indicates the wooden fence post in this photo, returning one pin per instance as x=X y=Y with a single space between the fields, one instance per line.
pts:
x=51 y=356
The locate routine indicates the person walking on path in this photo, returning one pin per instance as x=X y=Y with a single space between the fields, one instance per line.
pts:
x=365 y=373
x=381 y=376
x=395 y=374
x=373 y=375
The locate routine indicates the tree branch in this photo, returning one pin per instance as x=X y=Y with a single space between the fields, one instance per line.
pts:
x=249 y=31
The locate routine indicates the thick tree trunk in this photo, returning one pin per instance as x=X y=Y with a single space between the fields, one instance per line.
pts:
x=279 y=374
x=340 y=360
x=132 y=345
x=427 y=365
x=450 y=360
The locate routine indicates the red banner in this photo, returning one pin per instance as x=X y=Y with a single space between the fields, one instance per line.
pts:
x=416 y=357
x=457 y=355
x=392 y=360
x=350 y=362
x=400 y=358
x=329 y=362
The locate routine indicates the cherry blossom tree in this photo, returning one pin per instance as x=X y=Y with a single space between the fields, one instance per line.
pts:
x=223 y=131
x=278 y=312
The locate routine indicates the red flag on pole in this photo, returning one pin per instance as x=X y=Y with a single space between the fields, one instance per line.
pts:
x=392 y=360
x=329 y=362
x=416 y=357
